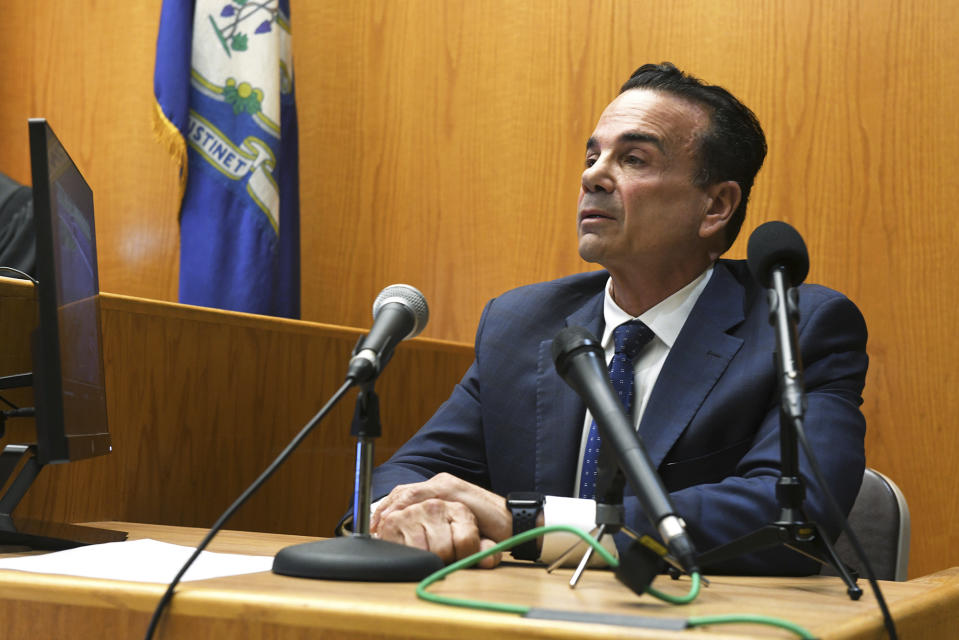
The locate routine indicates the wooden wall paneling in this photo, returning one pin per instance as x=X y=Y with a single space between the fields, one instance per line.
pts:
x=87 y=67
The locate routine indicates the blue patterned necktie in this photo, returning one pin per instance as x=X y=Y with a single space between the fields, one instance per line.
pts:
x=629 y=338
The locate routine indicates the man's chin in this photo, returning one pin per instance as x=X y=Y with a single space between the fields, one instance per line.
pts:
x=590 y=251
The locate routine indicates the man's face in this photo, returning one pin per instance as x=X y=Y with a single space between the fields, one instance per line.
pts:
x=638 y=206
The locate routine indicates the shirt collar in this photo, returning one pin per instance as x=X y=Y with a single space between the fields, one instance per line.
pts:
x=666 y=319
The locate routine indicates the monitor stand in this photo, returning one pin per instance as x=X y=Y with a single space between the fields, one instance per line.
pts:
x=37 y=534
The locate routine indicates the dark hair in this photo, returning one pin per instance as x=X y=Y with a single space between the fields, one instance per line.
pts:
x=734 y=146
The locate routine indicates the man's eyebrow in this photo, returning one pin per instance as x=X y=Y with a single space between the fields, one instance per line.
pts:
x=631 y=136
x=635 y=136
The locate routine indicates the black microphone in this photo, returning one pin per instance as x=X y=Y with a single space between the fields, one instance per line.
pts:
x=776 y=246
x=581 y=362
x=778 y=259
x=399 y=312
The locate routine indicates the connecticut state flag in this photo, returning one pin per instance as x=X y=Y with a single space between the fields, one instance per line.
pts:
x=225 y=107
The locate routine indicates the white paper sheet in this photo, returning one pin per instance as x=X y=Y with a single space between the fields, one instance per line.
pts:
x=138 y=561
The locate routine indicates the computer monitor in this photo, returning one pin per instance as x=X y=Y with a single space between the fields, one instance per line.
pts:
x=67 y=377
x=69 y=393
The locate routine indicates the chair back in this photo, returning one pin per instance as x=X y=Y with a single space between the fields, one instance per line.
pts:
x=880 y=518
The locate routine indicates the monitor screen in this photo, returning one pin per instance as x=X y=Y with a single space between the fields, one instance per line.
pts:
x=68 y=380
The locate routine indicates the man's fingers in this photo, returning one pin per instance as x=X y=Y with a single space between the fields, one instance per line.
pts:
x=489 y=509
x=406 y=495
x=464 y=534
x=448 y=529
x=447 y=526
x=491 y=561
x=493 y=519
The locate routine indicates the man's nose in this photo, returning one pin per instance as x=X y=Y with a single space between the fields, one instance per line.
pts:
x=596 y=177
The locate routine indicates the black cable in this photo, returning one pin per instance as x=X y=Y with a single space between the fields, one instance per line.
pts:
x=305 y=431
x=23 y=275
x=838 y=514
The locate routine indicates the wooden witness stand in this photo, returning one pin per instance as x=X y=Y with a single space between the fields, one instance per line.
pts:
x=201 y=400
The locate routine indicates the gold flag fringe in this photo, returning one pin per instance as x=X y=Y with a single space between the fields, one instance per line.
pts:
x=169 y=136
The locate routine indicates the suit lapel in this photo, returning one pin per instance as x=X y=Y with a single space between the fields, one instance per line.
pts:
x=559 y=411
x=699 y=356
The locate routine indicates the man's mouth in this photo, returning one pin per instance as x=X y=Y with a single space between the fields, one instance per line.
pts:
x=593 y=214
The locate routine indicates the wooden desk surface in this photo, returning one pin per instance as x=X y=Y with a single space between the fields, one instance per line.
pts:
x=265 y=606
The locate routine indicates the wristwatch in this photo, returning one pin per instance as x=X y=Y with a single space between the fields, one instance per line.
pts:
x=525 y=507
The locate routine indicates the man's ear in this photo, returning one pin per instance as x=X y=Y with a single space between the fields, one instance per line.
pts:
x=722 y=201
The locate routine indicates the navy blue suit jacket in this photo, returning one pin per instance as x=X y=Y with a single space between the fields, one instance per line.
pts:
x=711 y=425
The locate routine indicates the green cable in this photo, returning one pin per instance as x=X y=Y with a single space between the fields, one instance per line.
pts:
x=469 y=561
x=686 y=599
x=699 y=621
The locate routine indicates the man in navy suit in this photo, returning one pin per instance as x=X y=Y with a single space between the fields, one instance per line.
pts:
x=668 y=172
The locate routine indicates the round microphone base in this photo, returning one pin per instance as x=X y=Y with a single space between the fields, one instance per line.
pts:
x=356 y=558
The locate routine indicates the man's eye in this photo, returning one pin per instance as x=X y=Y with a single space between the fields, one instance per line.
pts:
x=633 y=159
x=590 y=161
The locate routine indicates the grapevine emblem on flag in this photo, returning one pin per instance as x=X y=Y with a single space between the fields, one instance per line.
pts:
x=228 y=70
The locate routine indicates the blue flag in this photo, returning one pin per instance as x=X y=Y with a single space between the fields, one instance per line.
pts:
x=225 y=107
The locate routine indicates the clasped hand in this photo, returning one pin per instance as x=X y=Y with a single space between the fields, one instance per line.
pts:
x=446 y=515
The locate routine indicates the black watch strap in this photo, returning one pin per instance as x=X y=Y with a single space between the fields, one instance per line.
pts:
x=525 y=508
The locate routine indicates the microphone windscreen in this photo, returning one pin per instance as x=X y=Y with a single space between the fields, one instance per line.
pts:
x=775 y=244
x=411 y=298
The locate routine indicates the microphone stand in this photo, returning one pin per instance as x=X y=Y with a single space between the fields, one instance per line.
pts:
x=359 y=556
x=792 y=529
x=639 y=564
